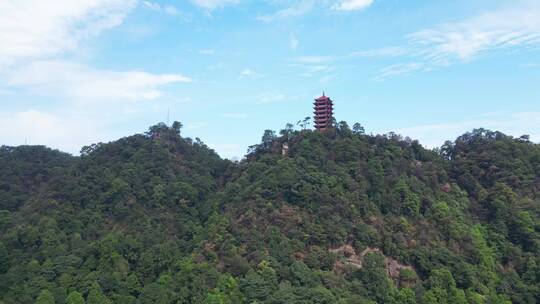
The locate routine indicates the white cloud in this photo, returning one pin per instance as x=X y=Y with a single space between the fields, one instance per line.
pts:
x=314 y=65
x=35 y=28
x=400 y=69
x=391 y=51
x=515 y=28
x=352 y=5
x=166 y=9
x=270 y=97
x=507 y=28
x=315 y=70
x=251 y=74
x=303 y=7
x=57 y=130
x=298 y=9
x=327 y=78
x=213 y=4
x=83 y=83
x=35 y=36
x=515 y=124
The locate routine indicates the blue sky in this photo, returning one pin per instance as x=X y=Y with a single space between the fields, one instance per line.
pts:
x=78 y=72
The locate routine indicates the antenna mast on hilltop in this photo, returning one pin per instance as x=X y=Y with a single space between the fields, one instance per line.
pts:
x=168 y=116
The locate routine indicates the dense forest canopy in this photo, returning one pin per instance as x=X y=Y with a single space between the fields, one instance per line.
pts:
x=307 y=217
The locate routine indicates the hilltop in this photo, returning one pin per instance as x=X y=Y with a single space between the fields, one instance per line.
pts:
x=307 y=217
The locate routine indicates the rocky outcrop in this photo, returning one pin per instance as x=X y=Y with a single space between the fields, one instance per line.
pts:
x=353 y=259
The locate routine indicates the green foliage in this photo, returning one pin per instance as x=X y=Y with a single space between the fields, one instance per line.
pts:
x=343 y=217
x=75 y=298
x=375 y=281
x=45 y=297
x=96 y=296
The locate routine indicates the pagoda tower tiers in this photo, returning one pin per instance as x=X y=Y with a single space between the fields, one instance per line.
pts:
x=323 y=107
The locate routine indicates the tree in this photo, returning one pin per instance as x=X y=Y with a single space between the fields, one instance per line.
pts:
x=268 y=139
x=405 y=296
x=358 y=129
x=87 y=150
x=96 y=296
x=288 y=131
x=259 y=285
x=154 y=293
x=157 y=130
x=343 y=129
x=45 y=297
x=304 y=124
x=177 y=126
x=302 y=275
x=4 y=258
x=443 y=288
x=75 y=298
x=375 y=279
x=226 y=292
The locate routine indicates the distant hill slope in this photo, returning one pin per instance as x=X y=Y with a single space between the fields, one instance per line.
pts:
x=342 y=217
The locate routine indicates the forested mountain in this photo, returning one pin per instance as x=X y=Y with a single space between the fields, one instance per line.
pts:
x=307 y=217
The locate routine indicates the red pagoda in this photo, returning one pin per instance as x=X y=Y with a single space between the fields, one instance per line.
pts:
x=323 y=107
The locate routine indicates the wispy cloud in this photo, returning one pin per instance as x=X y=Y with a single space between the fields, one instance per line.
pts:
x=31 y=31
x=515 y=124
x=36 y=39
x=214 y=4
x=315 y=70
x=166 y=9
x=465 y=40
x=314 y=65
x=83 y=83
x=250 y=74
x=35 y=28
x=516 y=28
x=352 y=5
x=392 y=51
x=400 y=69
x=327 y=78
x=270 y=97
x=298 y=9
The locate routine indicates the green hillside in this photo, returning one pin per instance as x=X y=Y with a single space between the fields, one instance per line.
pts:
x=338 y=217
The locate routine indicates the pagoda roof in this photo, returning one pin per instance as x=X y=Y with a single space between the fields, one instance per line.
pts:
x=322 y=98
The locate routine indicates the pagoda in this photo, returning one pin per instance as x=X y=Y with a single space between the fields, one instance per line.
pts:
x=323 y=107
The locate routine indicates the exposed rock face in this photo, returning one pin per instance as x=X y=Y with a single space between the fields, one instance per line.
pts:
x=355 y=260
x=352 y=259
